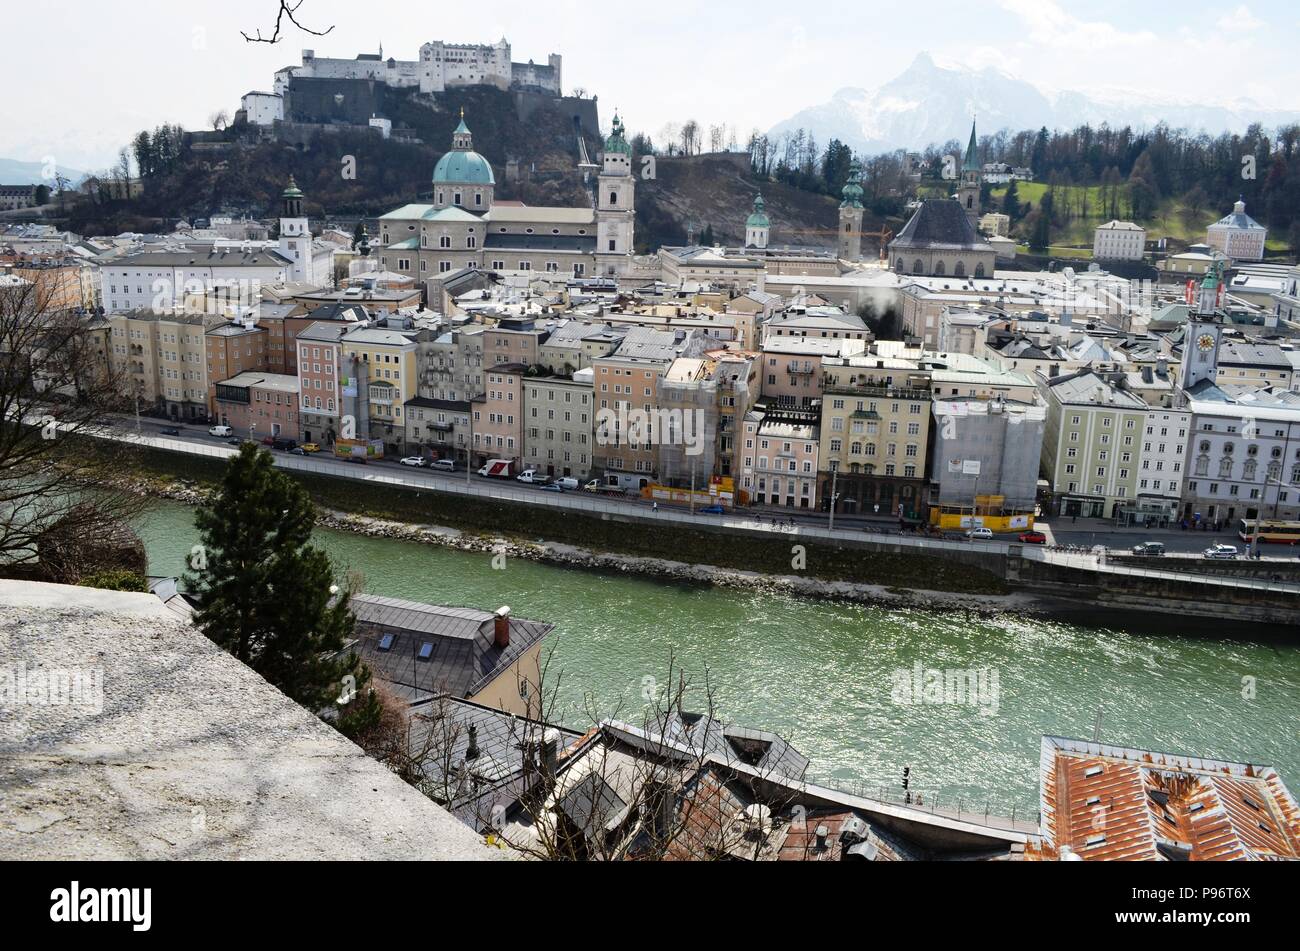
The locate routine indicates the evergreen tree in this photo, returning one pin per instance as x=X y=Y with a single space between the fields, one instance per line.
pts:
x=1011 y=202
x=357 y=233
x=1040 y=231
x=835 y=166
x=706 y=239
x=268 y=596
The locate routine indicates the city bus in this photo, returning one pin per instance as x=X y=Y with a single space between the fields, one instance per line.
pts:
x=1269 y=532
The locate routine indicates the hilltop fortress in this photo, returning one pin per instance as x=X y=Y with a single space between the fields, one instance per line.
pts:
x=441 y=66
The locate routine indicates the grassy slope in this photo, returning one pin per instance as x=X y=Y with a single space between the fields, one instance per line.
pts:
x=1171 y=220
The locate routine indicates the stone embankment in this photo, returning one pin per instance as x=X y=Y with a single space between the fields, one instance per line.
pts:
x=570 y=556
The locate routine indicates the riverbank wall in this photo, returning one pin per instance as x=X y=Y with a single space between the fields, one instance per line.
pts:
x=878 y=571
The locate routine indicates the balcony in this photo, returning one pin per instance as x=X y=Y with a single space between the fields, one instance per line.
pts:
x=876 y=391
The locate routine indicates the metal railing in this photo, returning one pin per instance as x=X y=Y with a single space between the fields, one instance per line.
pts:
x=1004 y=816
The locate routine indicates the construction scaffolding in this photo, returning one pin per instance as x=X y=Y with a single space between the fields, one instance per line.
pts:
x=688 y=424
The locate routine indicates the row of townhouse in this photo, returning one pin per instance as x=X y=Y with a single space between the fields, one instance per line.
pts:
x=1221 y=443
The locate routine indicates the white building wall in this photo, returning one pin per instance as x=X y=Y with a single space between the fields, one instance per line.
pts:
x=263 y=108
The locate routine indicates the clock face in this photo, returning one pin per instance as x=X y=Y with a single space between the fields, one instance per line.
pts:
x=1205 y=342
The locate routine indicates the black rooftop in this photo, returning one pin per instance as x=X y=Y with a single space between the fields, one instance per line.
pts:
x=939 y=222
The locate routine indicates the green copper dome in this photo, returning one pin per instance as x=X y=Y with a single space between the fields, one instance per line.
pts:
x=617 y=142
x=291 y=190
x=463 y=168
x=462 y=165
x=759 y=218
x=853 y=187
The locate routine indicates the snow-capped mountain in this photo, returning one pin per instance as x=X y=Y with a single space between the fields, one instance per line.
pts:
x=929 y=104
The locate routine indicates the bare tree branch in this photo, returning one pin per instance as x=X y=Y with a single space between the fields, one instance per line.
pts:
x=289 y=10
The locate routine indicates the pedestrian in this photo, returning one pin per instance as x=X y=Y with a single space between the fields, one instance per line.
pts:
x=1074 y=519
x=654 y=506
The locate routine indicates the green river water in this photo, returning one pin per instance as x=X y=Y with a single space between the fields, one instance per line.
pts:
x=825 y=674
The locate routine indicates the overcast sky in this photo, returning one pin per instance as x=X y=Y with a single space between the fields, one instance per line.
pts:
x=82 y=77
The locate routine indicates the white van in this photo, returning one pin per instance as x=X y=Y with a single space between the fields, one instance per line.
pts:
x=443 y=465
x=220 y=431
x=568 y=483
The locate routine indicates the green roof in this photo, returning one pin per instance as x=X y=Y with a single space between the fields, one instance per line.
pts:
x=407 y=213
x=451 y=213
x=853 y=187
x=463 y=168
x=759 y=218
x=291 y=190
x=972 y=149
x=616 y=141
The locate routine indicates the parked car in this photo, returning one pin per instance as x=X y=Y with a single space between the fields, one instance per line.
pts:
x=236 y=441
x=297 y=451
x=532 y=477
x=551 y=487
x=443 y=465
x=568 y=483
x=1033 y=537
x=1226 y=552
x=1149 y=549
x=713 y=510
x=979 y=534
x=169 y=431
x=416 y=461
x=220 y=431
x=310 y=447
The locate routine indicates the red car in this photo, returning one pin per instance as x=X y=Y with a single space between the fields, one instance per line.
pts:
x=1033 y=538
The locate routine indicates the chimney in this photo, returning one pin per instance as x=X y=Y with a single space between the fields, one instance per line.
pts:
x=501 y=631
x=822 y=832
x=550 y=753
x=471 y=752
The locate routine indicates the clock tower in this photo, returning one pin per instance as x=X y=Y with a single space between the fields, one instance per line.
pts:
x=1204 y=330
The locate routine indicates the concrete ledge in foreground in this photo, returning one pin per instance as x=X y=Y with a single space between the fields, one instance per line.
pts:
x=190 y=755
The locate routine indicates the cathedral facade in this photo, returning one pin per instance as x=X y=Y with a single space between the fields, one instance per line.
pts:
x=466 y=227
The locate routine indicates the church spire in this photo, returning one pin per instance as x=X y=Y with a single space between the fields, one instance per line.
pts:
x=972 y=152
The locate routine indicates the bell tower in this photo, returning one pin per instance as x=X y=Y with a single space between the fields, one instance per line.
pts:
x=1204 y=330
x=295 y=235
x=615 y=204
x=851 y=211
x=972 y=175
x=758 y=227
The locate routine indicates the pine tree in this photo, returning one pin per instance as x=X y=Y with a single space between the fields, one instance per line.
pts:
x=1011 y=202
x=268 y=596
x=358 y=233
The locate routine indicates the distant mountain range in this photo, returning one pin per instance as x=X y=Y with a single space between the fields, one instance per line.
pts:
x=14 y=172
x=929 y=104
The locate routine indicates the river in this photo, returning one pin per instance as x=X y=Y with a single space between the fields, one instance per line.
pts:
x=834 y=678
